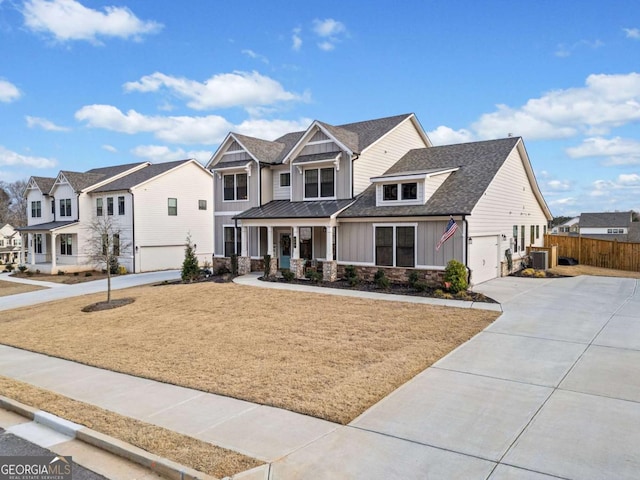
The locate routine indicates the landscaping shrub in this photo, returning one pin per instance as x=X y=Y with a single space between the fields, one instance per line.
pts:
x=38 y=272
x=314 y=276
x=351 y=275
x=190 y=268
x=113 y=265
x=267 y=265
x=22 y=268
x=528 y=272
x=413 y=278
x=381 y=280
x=9 y=268
x=288 y=275
x=455 y=275
x=421 y=285
x=463 y=295
x=222 y=270
x=439 y=293
x=60 y=272
x=540 y=274
x=29 y=273
x=88 y=274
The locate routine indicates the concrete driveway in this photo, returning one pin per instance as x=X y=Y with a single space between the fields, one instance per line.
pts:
x=551 y=389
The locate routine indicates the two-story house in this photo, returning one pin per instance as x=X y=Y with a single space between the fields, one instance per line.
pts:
x=153 y=206
x=283 y=197
x=10 y=245
x=375 y=194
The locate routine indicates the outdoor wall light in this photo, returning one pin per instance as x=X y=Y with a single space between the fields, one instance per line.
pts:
x=136 y=249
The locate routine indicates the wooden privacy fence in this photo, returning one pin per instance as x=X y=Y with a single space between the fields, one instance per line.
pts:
x=597 y=253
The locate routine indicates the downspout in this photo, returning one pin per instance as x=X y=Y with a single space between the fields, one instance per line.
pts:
x=355 y=157
x=133 y=230
x=465 y=250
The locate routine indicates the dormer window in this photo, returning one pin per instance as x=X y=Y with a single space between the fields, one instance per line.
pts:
x=399 y=191
x=235 y=187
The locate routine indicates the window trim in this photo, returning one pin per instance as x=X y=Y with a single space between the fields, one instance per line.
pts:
x=202 y=204
x=36 y=244
x=237 y=240
x=288 y=176
x=318 y=184
x=65 y=207
x=172 y=208
x=235 y=187
x=36 y=209
x=121 y=205
x=66 y=244
x=110 y=206
x=395 y=242
x=99 y=207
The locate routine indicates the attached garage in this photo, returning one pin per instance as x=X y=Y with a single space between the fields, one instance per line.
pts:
x=483 y=258
x=165 y=257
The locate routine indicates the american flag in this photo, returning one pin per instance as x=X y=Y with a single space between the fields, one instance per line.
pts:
x=452 y=226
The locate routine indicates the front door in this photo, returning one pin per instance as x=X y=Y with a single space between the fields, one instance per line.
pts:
x=285 y=250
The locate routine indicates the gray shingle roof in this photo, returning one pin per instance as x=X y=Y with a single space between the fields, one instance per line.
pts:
x=139 y=176
x=263 y=150
x=371 y=130
x=287 y=209
x=79 y=180
x=316 y=157
x=232 y=163
x=478 y=164
x=605 y=219
x=115 y=169
x=44 y=183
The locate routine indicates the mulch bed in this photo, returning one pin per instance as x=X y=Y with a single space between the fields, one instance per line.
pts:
x=100 y=306
x=394 y=289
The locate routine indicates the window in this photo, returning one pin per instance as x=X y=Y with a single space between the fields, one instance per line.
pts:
x=37 y=243
x=116 y=244
x=285 y=179
x=110 y=206
x=399 y=191
x=65 y=207
x=1 y=242
x=65 y=244
x=232 y=241
x=544 y=229
x=172 y=204
x=515 y=238
x=120 y=205
x=99 y=207
x=202 y=204
x=53 y=207
x=395 y=246
x=319 y=183
x=36 y=209
x=521 y=238
x=532 y=234
x=235 y=187
x=537 y=232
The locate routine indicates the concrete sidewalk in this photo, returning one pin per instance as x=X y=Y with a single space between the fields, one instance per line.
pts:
x=60 y=291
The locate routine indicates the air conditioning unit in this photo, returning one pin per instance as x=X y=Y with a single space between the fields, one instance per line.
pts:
x=539 y=260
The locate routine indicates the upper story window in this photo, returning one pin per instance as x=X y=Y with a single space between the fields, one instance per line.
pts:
x=53 y=207
x=319 y=183
x=109 y=205
x=36 y=209
x=285 y=179
x=120 y=205
x=172 y=204
x=202 y=204
x=99 y=207
x=65 y=207
x=235 y=187
x=399 y=191
x=1 y=242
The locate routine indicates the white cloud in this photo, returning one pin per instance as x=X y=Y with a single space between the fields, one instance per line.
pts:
x=33 y=122
x=330 y=32
x=206 y=130
x=220 y=91
x=13 y=159
x=251 y=54
x=563 y=202
x=564 y=50
x=296 y=39
x=617 y=150
x=8 y=92
x=162 y=153
x=633 y=33
x=605 y=102
x=110 y=148
x=70 y=20
x=558 y=185
x=447 y=136
x=629 y=179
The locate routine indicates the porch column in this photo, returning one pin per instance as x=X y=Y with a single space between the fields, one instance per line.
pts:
x=330 y=266
x=32 y=248
x=273 y=267
x=22 y=258
x=54 y=269
x=296 y=263
x=244 y=261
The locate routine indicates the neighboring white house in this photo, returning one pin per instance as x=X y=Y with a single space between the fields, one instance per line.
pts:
x=156 y=207
x=375 y=194
x=606 y=225
x=10 y=245
x=569 y=227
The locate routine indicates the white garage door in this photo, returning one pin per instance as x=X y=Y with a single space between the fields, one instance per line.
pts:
x=483 y=259
x=160 y=258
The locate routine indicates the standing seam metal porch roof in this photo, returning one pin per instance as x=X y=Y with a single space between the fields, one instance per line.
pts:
x=287 y=209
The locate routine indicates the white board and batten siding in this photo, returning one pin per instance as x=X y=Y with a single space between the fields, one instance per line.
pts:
x=381 y=155
x=160 y=237
x=280 y=193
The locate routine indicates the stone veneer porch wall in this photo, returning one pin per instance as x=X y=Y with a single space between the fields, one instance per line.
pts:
x=434 y=278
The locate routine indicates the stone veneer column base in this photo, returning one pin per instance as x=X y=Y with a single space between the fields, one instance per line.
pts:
x=297 y=267
x=273 y=267
x=330 y=271
x=244 y=265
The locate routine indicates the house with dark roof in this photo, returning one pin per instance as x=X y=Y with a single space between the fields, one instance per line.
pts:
x=283 y=197
x=154 y=206
x=607 y=225
x=10 y=246
x=375 y=194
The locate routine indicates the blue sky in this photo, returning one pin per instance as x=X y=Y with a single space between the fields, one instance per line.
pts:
x=93 y=83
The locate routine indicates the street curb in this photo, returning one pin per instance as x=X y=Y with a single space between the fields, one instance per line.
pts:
x=159 y=465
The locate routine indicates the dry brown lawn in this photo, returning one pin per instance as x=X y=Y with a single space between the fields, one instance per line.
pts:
x=326 y=356
x=575 y=270
x=10 y=288
x=185 y=450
